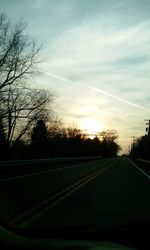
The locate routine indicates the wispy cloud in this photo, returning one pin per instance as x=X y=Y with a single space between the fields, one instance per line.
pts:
x=117 y=98
x=97 y=90
x=95 y=47
x=58 y=77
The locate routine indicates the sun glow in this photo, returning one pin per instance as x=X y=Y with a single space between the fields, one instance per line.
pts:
x=90 y=126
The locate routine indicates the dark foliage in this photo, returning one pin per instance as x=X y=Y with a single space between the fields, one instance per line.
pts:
x=141 y=147
x=66 y=142
x=39 y=140
x=5 y=150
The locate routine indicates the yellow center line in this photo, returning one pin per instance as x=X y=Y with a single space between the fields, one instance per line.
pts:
x=59 y=200
x=46 y=205
x=45 y=202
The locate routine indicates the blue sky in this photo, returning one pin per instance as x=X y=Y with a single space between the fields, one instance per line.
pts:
x=97 y=59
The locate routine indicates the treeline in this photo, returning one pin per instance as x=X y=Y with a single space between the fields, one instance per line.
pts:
x=25 y=109
x=21 y=102
x=54 y=141
x=140 y=147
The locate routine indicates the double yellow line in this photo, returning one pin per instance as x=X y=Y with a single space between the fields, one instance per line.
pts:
x=31 y=215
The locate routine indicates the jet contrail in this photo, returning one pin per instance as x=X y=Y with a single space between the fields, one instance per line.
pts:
x=97 y=90
x=58 y=77
x=117 y=98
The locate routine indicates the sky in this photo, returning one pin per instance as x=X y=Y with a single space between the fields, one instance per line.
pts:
x=97 y=60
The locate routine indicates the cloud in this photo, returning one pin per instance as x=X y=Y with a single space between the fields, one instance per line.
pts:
x=38 y=4
x=111 y=55
x=101 y=44
x=112 y=58
x=58 y=77
x=97 y=41
x=117 y=98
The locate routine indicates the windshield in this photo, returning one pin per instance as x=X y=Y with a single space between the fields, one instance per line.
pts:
x=74 y=113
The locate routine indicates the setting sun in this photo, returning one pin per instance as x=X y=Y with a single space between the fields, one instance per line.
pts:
x=90 y=126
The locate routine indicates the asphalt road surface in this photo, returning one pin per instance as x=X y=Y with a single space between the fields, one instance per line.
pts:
x=103 y=192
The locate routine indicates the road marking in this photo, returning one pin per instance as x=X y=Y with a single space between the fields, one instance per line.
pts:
x=34 y=209
x=139 y=168
x=43 y=172
x=27 y=217
x=59 y=200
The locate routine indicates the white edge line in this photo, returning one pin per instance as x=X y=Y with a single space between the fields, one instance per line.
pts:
x=139 y=168
x=34 y=174
x=42 y=172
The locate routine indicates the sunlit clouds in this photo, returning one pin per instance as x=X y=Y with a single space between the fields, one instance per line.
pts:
x=90 y=126
x=97 y=60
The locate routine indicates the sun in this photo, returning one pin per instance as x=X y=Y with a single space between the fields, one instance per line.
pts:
x=90 y=126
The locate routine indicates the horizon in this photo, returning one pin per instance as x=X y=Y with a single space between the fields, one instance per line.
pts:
x=97 y=60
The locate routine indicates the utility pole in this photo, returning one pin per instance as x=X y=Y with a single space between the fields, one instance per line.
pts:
x=147 y=129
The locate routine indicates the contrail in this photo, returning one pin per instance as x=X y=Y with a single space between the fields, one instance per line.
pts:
x=117 y=98
x=58 y=77
x=97 y=90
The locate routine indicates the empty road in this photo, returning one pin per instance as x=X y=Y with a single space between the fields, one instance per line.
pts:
x=107 y=191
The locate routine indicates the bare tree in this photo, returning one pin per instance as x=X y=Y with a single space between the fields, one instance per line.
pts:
x=74 y=132
x=23 y=107
x=108 y=135
x=18 y=54
x=20 y=104
x=55 y=128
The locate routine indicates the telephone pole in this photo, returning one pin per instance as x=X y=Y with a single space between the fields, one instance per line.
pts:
x=147 y=129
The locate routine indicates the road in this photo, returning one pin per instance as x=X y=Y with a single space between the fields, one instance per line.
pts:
x=103 y=192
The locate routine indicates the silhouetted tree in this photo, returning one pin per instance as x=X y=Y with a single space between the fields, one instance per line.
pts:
x=141 y=148
x=55 y=129
x=4 y=149
x=23 y=108
x=108 y=135
x=20 y=104
x=18 y=54
x=21 y=150
x=109 y=145
x=2 y=132
x=40 y=140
